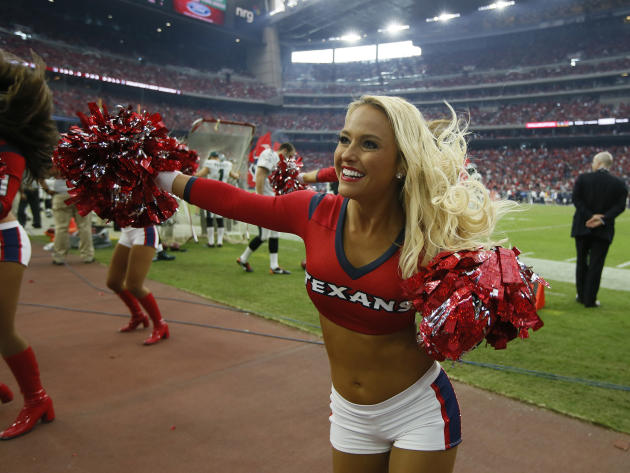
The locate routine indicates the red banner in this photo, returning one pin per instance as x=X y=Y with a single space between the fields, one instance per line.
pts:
x=200 y=10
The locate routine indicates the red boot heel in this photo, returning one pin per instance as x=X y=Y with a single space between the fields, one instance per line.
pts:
x=5 y=394
x=37 y=404
x=135 y=321
x=33 y=410
x=159 y=332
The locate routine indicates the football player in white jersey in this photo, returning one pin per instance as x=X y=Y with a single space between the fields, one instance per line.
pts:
x=219 y=168
x=267 y=163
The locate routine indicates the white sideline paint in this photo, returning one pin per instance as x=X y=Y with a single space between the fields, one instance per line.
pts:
x=535 y=229
x=623 y=265
x=571 y=260
x=612 y=278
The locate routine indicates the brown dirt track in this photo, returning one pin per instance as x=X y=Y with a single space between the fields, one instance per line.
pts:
x=211 y=400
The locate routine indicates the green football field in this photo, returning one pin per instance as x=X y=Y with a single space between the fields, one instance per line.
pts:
x=578 y=364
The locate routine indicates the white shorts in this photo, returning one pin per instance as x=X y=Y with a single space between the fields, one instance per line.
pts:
x=14 y=243
x=147 y=236
x=424 y=417
x=265 y=233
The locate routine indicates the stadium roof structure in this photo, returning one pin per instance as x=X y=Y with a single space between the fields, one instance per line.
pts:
x=312 y=22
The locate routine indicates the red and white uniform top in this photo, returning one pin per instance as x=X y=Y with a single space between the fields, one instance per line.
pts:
x=12 y=165
x=368 y=299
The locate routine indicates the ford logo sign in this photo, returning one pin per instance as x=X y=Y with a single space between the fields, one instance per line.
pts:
x=198 y=9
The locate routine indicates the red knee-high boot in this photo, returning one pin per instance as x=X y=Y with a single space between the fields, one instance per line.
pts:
x=5 y=394
x=160 y=329
x=37 y=404
x=137 y=317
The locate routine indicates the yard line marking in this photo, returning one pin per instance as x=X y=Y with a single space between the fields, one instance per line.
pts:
x=533 y=229
x=571 y=260
x=549 y=227
x=527 y=253
x=623 y=265
x=612 y=278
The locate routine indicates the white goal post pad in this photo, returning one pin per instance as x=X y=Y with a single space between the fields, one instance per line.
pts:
x=231 y=139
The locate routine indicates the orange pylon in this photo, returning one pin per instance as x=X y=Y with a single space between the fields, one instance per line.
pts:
x=72 y=228
x=540 y=296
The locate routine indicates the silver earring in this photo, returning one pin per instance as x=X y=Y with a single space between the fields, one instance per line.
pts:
x=399 y=175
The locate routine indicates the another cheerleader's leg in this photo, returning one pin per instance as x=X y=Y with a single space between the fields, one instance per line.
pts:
x=37 y=403
x=15 y=252
x=115 y=281
x=5 y=394
x=140 y=258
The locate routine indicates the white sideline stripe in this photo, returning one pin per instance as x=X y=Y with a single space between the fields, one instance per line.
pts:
x=623 y=265
x=534 y=229
x=571 y=260
x=528 y=253
x=612 y=278
x=549 y=227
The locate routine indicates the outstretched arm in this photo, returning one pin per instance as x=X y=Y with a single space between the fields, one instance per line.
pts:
x=287 y=213
x=319 y=175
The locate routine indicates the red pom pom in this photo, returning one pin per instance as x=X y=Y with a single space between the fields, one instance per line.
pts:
x=468 y=295
x=284 y=179
x=110 y=163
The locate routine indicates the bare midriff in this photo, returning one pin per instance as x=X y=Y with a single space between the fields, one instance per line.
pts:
x=368 y=369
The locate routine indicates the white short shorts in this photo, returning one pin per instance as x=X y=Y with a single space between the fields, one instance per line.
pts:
x=424 y=417
x=147 y=236
x=14 y=243
x=265 y=233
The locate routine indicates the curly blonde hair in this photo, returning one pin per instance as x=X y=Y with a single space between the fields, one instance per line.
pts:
x=26 y=111
x=444 y=209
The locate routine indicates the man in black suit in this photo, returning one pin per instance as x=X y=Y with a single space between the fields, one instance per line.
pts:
x=598 y=197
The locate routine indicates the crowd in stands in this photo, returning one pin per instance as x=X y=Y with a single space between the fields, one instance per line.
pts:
x=465 y=86
x=534 y=175
x=497 y=63
x=531 y=55
x=542 y=175
x=419 y=78
x=510 y=60
x=519 y=173
x=70 y=99
x=90 y=61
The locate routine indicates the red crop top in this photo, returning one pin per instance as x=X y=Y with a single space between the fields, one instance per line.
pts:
x=12 y=166
x=368 y=299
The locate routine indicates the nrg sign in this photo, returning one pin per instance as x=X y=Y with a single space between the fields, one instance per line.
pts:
x=248 y=15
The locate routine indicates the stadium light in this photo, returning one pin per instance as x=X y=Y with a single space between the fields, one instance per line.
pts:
x=393 y=28
x=499 y=5
x=444 y=17
x=350 y=37
x=22 y=35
